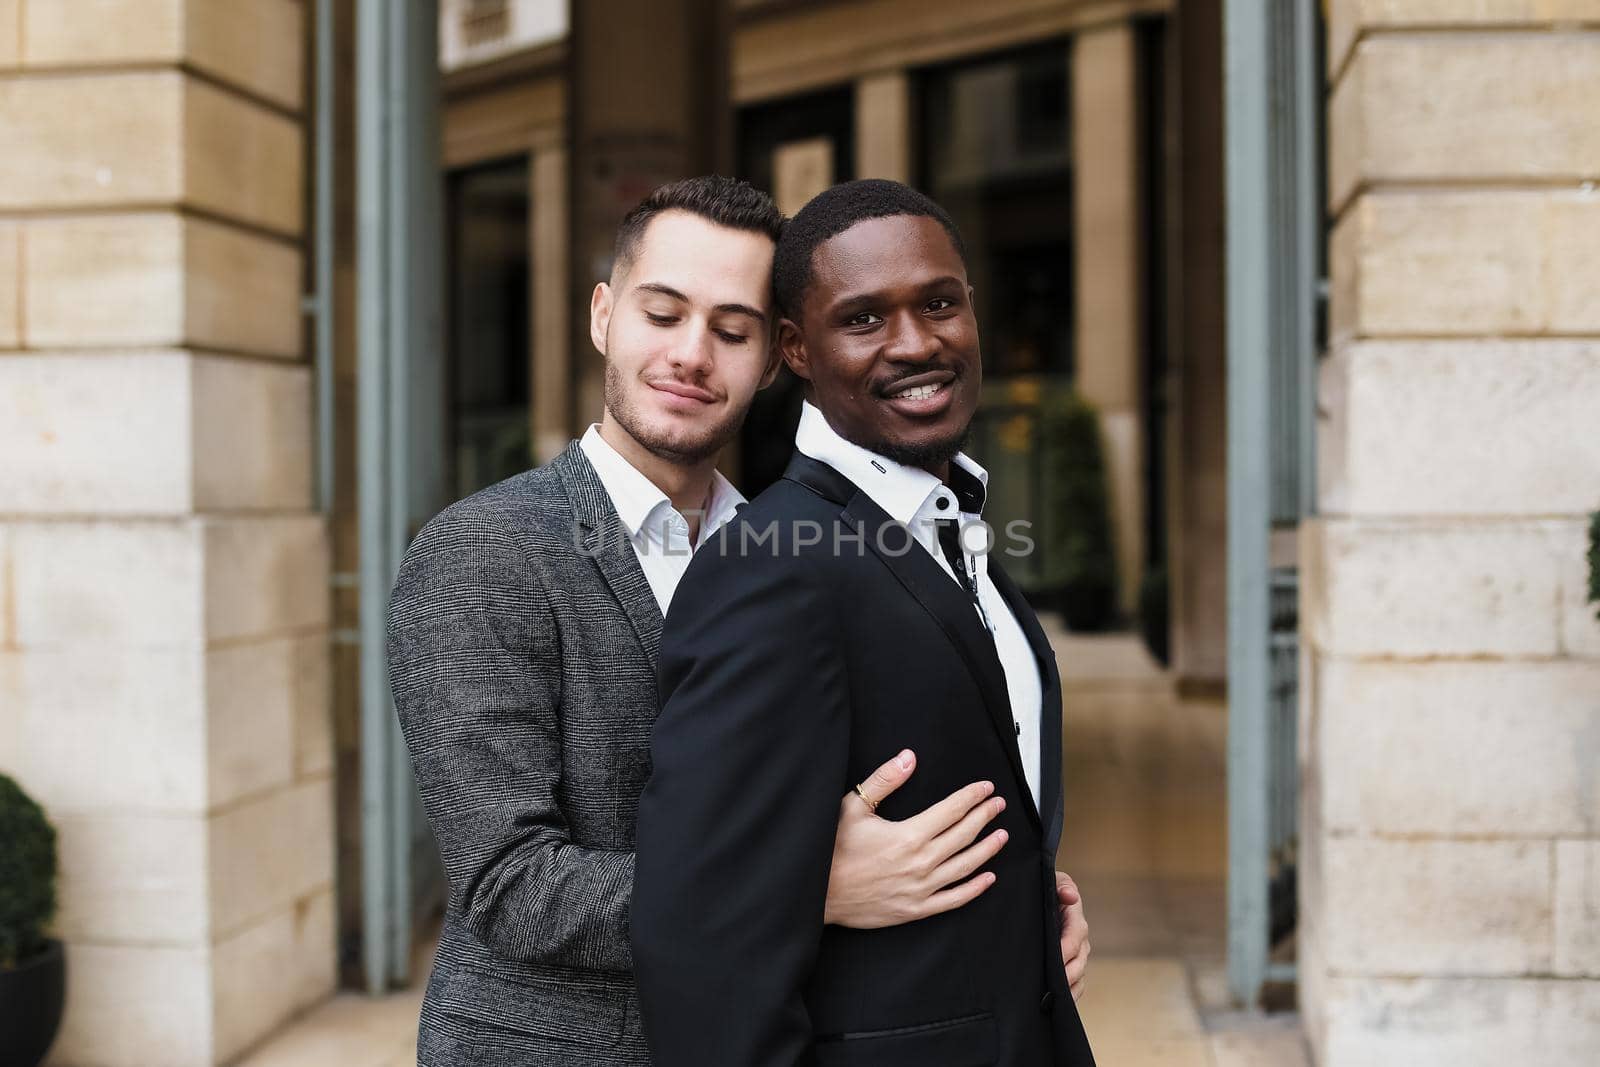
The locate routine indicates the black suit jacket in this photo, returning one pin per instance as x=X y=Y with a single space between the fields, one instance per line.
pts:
x=808 y=643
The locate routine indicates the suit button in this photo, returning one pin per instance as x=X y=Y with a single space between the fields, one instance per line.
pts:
x=1047 y=1002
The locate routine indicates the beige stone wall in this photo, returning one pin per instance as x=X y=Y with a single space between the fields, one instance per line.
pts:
x=163 y=578
x=1451 y=701
x=821 y=45
x=884 y=124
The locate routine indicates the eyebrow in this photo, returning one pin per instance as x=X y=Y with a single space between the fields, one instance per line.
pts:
x=727 y=309
x=870 y=296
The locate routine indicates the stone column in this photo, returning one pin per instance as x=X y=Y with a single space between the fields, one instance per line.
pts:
x=647 y=104
x=883 y=126
x=1451 y=696
x=1105 y=152
x=1199 y=456
x=163 y=578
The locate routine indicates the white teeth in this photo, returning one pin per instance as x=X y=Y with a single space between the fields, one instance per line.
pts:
x=921 y=392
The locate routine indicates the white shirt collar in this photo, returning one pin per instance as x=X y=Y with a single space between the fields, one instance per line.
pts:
x=901 y=491
x=639 y=501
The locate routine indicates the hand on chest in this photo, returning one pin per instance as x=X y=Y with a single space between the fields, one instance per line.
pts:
x=942 y=684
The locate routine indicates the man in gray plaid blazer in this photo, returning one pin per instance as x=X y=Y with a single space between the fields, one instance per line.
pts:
x=525 y=626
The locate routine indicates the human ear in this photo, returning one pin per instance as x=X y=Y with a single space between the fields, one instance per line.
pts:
x=792 y=347
x=774 y=361
x=600 y=306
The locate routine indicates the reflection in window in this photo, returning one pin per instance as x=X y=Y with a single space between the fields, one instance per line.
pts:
x=489 y=353
x=996 y=153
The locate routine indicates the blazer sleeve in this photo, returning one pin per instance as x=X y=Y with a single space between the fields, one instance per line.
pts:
x=737 y=822
x=475 y=668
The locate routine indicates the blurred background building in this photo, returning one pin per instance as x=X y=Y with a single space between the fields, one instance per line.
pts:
x=280 y=278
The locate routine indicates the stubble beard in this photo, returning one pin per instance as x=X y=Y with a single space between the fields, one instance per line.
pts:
x=673 y=449
x=925 y=456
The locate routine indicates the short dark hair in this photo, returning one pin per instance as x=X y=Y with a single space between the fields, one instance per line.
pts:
x=725 y=201
x=835 y=210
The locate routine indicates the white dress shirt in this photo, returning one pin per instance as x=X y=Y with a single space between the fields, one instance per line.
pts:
x=916 y=498
x=658 y=532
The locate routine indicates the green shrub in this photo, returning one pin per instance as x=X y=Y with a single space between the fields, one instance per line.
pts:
x=1079 y=571
x=27 y=874
x=1594 y=562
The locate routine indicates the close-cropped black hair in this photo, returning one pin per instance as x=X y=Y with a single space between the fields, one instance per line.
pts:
x=725 y=201
x=835 y=210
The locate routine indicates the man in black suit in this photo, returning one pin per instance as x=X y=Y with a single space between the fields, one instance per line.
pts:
x=843 y=612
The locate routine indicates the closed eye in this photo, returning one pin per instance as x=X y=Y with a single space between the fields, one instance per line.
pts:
x=732 y=338
x=661 y=320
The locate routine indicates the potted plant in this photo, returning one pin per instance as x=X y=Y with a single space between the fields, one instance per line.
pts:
x=33 y=968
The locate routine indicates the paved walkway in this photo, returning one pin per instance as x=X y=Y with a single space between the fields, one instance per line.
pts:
x=351 y=1030
x=1145 y=837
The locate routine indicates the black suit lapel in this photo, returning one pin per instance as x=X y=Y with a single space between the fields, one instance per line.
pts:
x=1050 y=709
x=938 y=594
x=603 y=539
x=950 y=606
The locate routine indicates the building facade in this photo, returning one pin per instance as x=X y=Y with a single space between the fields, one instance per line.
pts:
x=180 y=622
x=164 y=640
x=1451 y=698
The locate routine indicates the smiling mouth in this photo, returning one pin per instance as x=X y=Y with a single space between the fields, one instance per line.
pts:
x=918 y=392
x=920 y=386
x=683 y=389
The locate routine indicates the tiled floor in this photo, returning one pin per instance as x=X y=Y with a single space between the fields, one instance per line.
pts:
x=1145 y=822
x=350 y=1030
x=1145 y=836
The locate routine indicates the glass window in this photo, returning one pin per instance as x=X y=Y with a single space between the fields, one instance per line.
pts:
x=489 y=323
x=996 y=153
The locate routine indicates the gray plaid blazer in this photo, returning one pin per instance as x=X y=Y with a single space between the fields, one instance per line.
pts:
x=523 y=639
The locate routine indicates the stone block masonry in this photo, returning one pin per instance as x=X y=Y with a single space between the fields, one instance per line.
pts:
x=1451 y=708
x=163 y=576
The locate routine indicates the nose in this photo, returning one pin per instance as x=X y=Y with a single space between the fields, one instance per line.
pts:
x=691 y=356
x=910 y=339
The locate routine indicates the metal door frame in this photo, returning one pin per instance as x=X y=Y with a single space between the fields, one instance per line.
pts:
x=1271 y=105
x=399 y=336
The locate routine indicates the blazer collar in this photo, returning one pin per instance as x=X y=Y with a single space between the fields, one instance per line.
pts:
x=933 y=589
x=904 y=492
x=636 y=498
x=602 y=537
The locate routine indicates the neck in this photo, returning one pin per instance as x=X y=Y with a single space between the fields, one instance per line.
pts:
x=687 y=484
